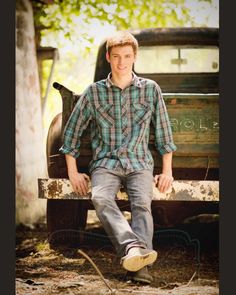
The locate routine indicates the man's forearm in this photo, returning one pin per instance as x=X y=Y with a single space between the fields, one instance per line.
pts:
x=71 y=164
x=78 y=180
x=167 y=164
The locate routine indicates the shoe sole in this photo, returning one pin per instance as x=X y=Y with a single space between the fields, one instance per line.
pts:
x=141 y=280
x=136 y=262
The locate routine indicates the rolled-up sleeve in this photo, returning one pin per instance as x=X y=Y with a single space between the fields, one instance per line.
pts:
x=76 y=124
x=163 y=133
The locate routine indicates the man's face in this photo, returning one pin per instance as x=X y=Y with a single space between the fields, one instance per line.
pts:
x=121 y=59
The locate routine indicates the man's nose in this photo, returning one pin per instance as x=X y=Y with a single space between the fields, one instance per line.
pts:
x=121 y=61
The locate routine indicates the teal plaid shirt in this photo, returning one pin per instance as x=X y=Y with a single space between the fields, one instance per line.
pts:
x=120 y=124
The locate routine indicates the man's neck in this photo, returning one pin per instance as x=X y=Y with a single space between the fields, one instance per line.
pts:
x=122 y=81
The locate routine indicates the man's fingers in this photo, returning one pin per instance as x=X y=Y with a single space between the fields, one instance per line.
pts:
x=156 y=178
x=86 y=176
x=162 y=189
x=75 y=188
x=80 y=183
x=164 y=183
x=84 y=187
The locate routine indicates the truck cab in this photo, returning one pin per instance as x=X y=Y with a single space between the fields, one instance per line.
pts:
x=185 y=64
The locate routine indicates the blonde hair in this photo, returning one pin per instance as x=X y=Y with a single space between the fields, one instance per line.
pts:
x=121 y=38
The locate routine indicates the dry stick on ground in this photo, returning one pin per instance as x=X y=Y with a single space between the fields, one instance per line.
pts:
x=178 y=284
x=185 y=285
x=190 y=280
x=132 y=291
x=139 y=291
x=96 y=268
x=155 y=292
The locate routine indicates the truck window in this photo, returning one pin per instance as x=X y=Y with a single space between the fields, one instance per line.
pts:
x=177 y=59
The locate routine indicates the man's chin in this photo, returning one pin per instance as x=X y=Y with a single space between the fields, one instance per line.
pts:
x=124 y=72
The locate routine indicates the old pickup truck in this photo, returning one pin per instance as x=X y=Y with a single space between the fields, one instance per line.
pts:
x=185 y=63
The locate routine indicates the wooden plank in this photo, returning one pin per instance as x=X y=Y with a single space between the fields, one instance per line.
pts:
x=181 y=190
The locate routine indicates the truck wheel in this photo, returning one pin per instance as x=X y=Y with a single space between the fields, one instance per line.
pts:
x=66 y=222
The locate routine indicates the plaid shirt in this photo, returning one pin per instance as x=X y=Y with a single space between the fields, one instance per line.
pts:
x=120 y=124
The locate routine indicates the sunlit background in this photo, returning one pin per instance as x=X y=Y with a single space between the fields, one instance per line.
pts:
x=77 y=55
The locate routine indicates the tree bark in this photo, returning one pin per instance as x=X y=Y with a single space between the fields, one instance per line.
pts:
x=30 y=155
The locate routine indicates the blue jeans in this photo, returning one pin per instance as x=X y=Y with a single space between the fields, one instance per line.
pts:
x=138 y=185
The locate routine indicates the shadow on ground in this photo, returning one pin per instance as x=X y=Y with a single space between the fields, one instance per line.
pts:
x=187 y=262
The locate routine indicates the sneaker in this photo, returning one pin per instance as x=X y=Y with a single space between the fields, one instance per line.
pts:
x=140 y=276
x=137 y=258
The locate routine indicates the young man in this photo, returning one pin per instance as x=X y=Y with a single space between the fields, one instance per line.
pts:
x=121 y=109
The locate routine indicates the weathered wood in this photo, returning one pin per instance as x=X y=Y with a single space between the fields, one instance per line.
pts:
x=46 y=52
x=181 y=190
x=195 y=125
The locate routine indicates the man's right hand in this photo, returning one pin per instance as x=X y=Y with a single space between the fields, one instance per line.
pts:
x=79 y=182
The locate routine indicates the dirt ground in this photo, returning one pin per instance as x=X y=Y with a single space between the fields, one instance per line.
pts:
x=187 y=263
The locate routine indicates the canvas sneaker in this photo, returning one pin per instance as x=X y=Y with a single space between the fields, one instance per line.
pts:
x=137 y=258
x=140 y=276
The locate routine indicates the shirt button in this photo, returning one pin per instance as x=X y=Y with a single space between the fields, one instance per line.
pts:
x=122 y=152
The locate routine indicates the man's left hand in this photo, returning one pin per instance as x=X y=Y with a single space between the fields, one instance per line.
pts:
x=163 y=182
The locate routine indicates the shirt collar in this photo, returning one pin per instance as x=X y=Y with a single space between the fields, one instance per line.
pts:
x=135 y=80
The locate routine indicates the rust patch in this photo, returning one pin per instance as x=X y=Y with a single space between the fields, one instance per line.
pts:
x=184 y=195
x=41 y=189
x=54 y=189
x=210 y=193
x=181 y=190
x=202 y=189
x=194 y=183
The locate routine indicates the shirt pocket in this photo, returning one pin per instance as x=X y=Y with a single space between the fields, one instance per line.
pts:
x=142 y=113
x=105 y=115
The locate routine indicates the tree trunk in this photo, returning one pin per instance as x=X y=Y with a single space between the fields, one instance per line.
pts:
x=30 y=152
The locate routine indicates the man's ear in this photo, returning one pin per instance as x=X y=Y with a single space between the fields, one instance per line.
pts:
x=107 y=57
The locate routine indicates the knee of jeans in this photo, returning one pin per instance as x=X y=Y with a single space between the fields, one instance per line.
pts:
x=98 y=201
x=141 y=207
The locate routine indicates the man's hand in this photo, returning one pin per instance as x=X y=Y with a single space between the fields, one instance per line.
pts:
x=79 y=182
x=163 y=182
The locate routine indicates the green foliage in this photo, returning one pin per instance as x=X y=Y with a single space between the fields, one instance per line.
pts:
x=74 y=25
x=67 y=16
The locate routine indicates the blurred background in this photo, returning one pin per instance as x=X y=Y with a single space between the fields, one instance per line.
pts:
x=58 y=41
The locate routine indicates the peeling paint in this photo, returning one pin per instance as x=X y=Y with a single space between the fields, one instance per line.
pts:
x=180 y=191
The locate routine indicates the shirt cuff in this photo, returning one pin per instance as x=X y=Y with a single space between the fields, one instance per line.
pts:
x=167 y=148
x=68 y=150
